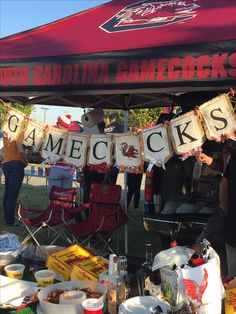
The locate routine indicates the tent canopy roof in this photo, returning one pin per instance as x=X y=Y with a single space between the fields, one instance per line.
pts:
x=127 y=24
x=124 y=54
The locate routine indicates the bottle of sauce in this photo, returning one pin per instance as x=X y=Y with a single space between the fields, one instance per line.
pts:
x=116 y=292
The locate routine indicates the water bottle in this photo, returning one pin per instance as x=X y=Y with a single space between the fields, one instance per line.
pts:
x=116 y=292
x=197 y=170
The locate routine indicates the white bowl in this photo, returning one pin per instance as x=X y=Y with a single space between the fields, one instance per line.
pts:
x=51 y=308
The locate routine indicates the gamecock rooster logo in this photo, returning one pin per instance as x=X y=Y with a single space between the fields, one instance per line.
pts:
x=128 y=150
x=196 y=291
x=151 y=13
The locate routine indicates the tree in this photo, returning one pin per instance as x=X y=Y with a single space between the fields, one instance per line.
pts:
x=26 y=109
x=137 y=117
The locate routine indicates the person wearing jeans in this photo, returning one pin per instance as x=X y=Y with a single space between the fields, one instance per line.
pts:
x=61 y=173
x=15 y=160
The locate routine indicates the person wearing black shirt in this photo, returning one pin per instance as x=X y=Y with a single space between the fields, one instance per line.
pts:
x=228 y=204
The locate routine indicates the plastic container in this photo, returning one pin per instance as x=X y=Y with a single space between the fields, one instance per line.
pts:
x=15 y=271
x=92 y=306
x=52 y=308
x=44 y=277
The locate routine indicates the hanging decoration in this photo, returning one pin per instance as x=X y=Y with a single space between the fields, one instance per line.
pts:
x=183 y=135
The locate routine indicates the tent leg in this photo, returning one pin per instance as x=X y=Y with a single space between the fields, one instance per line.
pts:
x=126 y=116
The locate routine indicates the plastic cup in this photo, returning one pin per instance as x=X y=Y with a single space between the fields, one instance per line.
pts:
x=44 y=277
x=92 y=306
x=14 y=271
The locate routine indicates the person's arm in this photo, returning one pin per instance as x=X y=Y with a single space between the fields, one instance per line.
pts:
x=224 y=195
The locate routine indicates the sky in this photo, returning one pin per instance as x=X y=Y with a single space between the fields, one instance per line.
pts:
x=20 y=15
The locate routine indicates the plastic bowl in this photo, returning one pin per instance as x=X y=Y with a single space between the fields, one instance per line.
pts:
x=14 y=271
x=44 y=277
x=52 y=308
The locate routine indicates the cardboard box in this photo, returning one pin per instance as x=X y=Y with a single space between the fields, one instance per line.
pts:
x=89 y=269
x=62 y=261
x=230 y=301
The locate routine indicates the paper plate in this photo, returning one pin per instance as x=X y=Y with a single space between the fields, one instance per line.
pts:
x=142 y=305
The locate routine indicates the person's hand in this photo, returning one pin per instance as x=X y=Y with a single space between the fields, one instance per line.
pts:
x=197 y=111
x=204 y=159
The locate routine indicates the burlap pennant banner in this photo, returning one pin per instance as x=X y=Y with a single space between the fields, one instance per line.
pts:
x=100 y=149
x=128 y=150
x=34 y=134
x=14 y=124
x=183 y=135
x=156 y=145
x=218 y=117
x=76 y=149
x=186 y=133
x=54 y=144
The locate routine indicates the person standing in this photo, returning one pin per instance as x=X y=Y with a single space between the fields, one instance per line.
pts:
x=227 y=197
x=61 y=173
x=134 y=181
x=14 y=162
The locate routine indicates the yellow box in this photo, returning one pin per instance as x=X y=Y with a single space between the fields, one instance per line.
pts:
x=230 y=301
x=62 y=261
x=89 y=269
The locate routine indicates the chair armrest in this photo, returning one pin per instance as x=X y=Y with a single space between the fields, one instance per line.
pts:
x=78 y=209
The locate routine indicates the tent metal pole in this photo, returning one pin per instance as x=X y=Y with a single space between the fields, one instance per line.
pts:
x=126 y=116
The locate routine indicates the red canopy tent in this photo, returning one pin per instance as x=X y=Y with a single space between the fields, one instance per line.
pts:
x=124 y=54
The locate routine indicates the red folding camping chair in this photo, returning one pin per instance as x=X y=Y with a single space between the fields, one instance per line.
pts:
x=54 y=217
x=105 y=216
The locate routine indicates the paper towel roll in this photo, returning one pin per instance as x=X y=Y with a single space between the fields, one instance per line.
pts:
x=93 y=117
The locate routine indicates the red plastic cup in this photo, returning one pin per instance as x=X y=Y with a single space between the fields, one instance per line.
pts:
x=92 y=306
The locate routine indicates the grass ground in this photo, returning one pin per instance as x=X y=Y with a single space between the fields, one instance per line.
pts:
x=137 y=237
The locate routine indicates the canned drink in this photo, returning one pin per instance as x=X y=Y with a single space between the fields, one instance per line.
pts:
x=40 y=171
x=32 y=169
x=123 y=263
